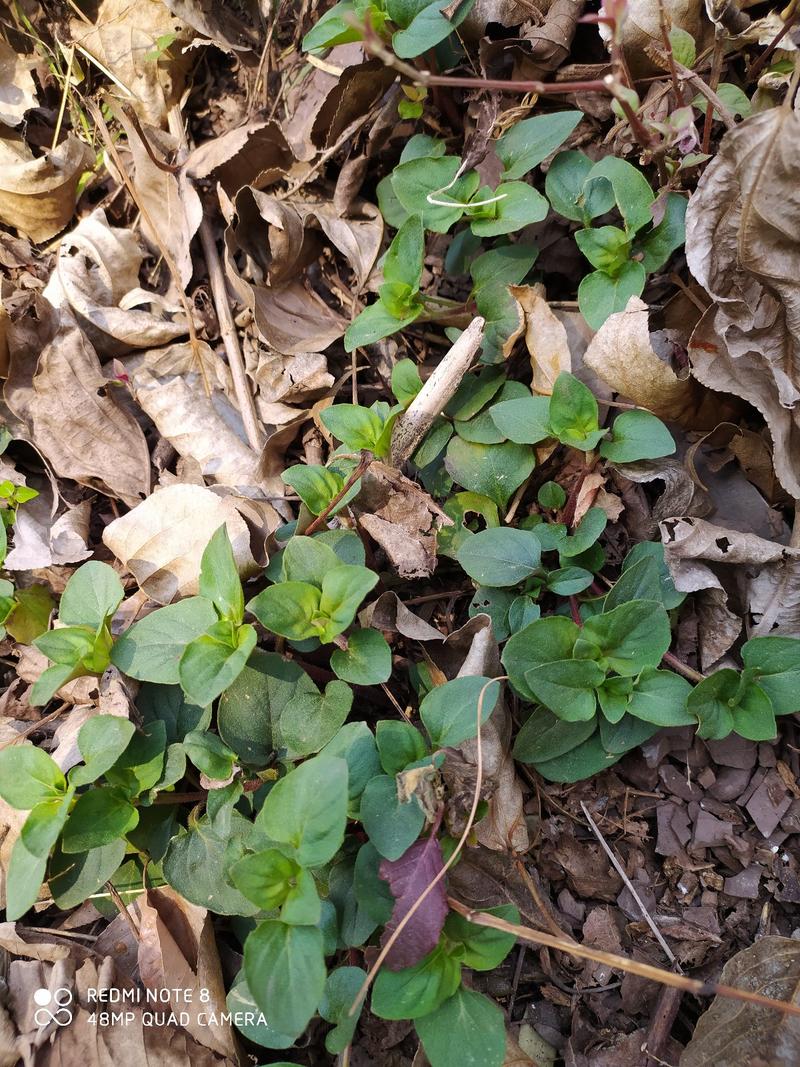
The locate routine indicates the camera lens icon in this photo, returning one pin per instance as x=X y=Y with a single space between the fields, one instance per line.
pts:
x=61 y=1014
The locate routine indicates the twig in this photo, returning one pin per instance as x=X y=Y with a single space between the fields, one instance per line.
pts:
x=319 y=521
x=705 y=90
x=123 y=910
x=64 y=96
x=476 y=796
x=682 y=668
x=620 y=963
x=631 y=889
x=34 y=726
x=412 y=426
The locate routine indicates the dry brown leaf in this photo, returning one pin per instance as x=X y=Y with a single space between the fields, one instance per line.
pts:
x=402 y=518
x=17 y=87
x=732 y=1034
x=124 y=38
x=545 y=337
x=11 y=821
x=622 y=354
x=37 y=195
x=743 y=245
x=170 y=201
x=291 y=379
x=221 y=23
x=97 y=278
x=43 y=538
x=11 y=941
x=161 y=541
x=257 y=155
x=178 y=951
x=292 y=320
x=389 y=613
x=76 y=423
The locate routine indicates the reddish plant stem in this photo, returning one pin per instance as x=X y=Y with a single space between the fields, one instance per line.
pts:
x=366 y=459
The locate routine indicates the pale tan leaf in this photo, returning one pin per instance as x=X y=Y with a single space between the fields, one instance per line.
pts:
x=17 y=87
x=162 y=540
x=257 y=154
x=43 y=538
x=291 y=379
x=17 y=946
x=221 y=23
x=743 y=245
x=37 y=195
x=545 y=337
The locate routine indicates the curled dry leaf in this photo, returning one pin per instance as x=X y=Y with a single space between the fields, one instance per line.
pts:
x=17 y=87
x=178 y=951
x=76 y=423
x=291 y=379
x=37 y=194
x=97 y=278
x=220 y=23
x=390 y=613
x=402 y=518
x=769 y=572
x=162 y=540
x=621 y=353
x=124 y=38
x=43 y=538
x=732 y=1033
x=257 y=155
x=11 y=942
x=545 y=337
x=743 y=245
x=408 y=878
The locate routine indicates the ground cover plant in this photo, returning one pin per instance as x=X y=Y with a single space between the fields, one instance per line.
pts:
x=399 y=548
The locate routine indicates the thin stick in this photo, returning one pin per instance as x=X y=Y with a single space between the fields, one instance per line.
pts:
x=123 y=910
x=64 y=95
x=682 y=668
x=620 y=963
x=373 y=971
x=35 y=726
x=364 y=462
x=631 y=889
x=411 y=427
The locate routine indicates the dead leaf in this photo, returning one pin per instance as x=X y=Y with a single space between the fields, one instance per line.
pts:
x=545 y=337
x=97 y=278
x=17 y=87
x=731 y=1033
x=257 y=155
x=37 y=194
x=11 y=942
x=221 y=23
x=622 y=354
x=11 y=822
x=390 y=613
x=162 y=539
x=402 y=518
x=178 y=951
x=125 y=40
x=77 y=424
x=43 y=538
x=291 y=379
x=743 y=245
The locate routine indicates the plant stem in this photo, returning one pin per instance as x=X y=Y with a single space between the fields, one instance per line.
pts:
x=366 y=459
x=682 y=668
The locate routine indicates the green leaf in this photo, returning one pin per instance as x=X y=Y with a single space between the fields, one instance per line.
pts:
x=658 y=245
x=491 y=470
x=211 y=662
x=356 y=745
x=358 y=427
x=44 y=824
x=399 y=744
x=93 y=593
x=49 y=682
x=524 y=421
x=341 y=989
x=31 y=616
x=450 y=711
x=403 y=259
x=551 y=496
x=23 y=879
x=660 y=697
x=333 y=28
x=219 y=577
x=573 y=413
x=567 y=687
x=29 y=776
x=315 y=485
x=482 y=947
x=209 y=754
x=520 y=206
x=343 y=589
x=141 y=764
x=150 y=650
x=251 y=1021
x=775 y=663
x=501 y=556
x=567 y=191
x=601 y=295
x=74 y=878
x=637 y=435
x=288 y=609
x=308 y=810
x=481 y=428
x=683 y=47
x=406 y=382
x=606 y=247
x=526 y=144
x=67 y=645
x=415 y=181
x=731 y=96
x=641 y=581
x=309 y=720
x=367 y=660
x=418 y=990
x=101 y=741
x=391 y=824
x=543 y=641
x=632 y=192
x=428 y=28
x=626 y=639
x=285 y=970
x=566 y=581
x=543 y=736
x=98 y=818
x=468 y=1030
x=499 y=268
x=272 y=880
x=667 y=592
x=496 y=604
x=373 y=324
x=728 y=701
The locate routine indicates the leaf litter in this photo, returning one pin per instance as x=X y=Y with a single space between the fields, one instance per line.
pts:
x=232 y=385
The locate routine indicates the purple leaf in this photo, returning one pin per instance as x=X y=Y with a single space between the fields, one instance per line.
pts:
x=408 y=878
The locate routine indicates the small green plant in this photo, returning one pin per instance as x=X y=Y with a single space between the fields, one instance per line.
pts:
x=24 y=613
x=410 y=27
x=624 y=255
